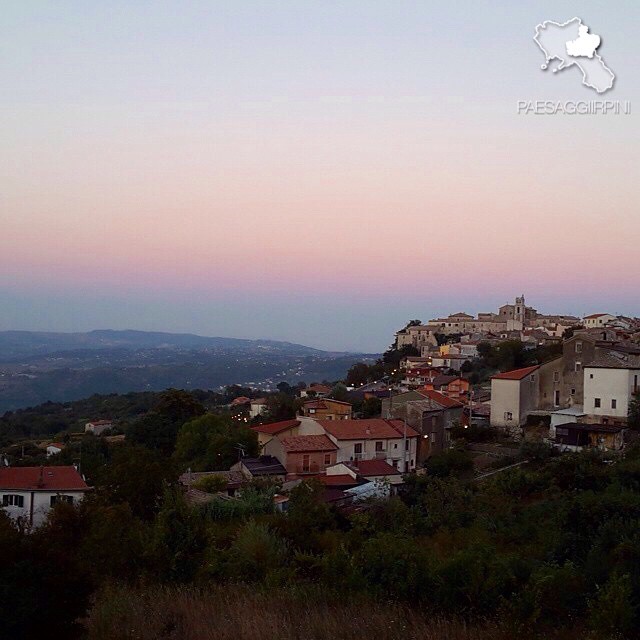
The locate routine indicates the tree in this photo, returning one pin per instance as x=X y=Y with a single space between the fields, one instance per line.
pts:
x=159 y=427
x=212 y=442
x=136 y=476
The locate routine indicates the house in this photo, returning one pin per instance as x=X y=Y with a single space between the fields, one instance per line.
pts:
x=575 y=436
x=597 y=320
x=29 y=493
x=417 y=336
x=430 y=413
x=418 y=377
x=513 y=395
x=54 y=449
x=304 y=454
x=257 y=407
x=394 y=441
x=98 y=427
x=450 y=360
x=609 y=385
x=326 y=409
x=415 y=362
x=451 y=386
x=377 y=471
x=261 y=467
x=189 y=480
x=240 y=402
x=315 y=391
x=298 y=426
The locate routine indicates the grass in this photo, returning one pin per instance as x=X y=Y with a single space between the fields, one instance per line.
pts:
x=236 y=612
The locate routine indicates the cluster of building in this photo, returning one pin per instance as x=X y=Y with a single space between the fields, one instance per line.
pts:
x=585 y=392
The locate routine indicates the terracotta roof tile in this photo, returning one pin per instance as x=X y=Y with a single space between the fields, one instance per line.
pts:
x=42 y=479
x=369 y=429
x=515 y=374
x=276 y=427
x=308 y=443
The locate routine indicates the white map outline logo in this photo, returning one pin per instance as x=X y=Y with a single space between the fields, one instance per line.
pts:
x=572 y=44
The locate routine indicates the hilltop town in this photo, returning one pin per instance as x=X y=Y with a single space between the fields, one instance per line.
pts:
x=487 y=428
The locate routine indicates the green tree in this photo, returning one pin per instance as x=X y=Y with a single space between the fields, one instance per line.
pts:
x=212 y=443
x=634 y=412
x=159 y=427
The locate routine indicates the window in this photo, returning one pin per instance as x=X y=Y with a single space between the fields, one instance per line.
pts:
x=433 y=437
x=591 y=376
x=60 y=498
x=379 y=445
x=508 y=415
x=305 y=463
x=12 y=500
x=556 y=398
x=578 y=367
x=327 y=458
x=357 y=448
x=614 y=403
x=312 y=410
x=533 y=377
x=573 y=392
x=556 y=376
x=395 y=445
x=562 y=431
x=578 y=347
x=596 y=403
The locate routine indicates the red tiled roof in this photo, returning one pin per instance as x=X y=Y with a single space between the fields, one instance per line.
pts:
x=59 y=445
x=369 y=429
x=276 y=427
x=595 y=315
x=319 y=388
x=368 y=468
x=308 y=443
x=516 y=374
x=42 y=479
x=338 y=480
x=441 y=399
x=321 y=403
x=241 y=400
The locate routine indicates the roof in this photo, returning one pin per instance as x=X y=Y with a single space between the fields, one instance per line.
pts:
x=441 y=399
x=368 y=468
x=341 y=480
x=515 y=374
x=596 y=315
x=369 y=429
x=233 y=478
x=264 y=466
x=610 y=361
x=276 y=427
x=58 y=445
x=259 y=401
x=599 y=428
x=241 y=400
x=321 y=403
x=442 y=380
x=308 y=443
x=42 y=479
x=322 y=388
x=100 y=422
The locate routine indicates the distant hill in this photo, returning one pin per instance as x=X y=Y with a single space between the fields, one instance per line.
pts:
x=36 y=367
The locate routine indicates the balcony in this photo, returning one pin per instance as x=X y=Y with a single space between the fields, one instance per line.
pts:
x=304 y=469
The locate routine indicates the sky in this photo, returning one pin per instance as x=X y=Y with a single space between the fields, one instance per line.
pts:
x=316 y=171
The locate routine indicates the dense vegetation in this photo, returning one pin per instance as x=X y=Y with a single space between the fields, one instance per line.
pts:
x=551 y=545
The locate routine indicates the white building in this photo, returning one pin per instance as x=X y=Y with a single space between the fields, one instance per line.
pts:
x=97 y=427
x=608 y=387
x=29 y=493
x=54 y=449
x=258 y=407
x=374 y=439
x=597 y=320
x=514 y=394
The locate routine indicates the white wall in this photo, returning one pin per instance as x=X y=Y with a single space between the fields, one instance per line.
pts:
x=392 y=450
x=505 y=398
x=41 y=503
x=608 y=385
